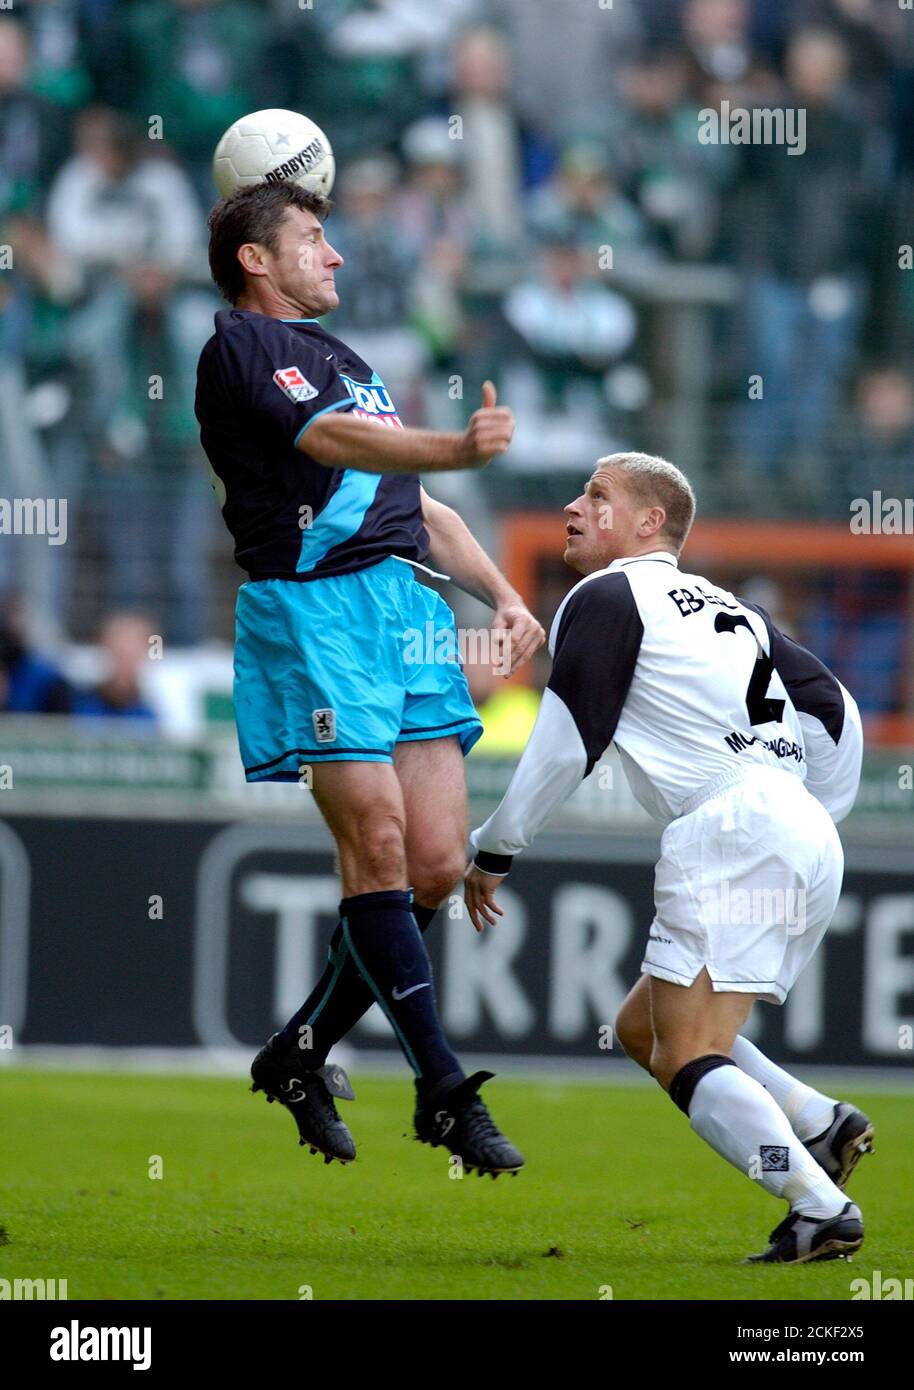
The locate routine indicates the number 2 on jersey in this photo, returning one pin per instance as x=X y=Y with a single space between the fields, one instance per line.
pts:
x=761 y=709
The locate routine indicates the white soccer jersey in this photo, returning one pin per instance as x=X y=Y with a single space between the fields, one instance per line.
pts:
x=691 y=684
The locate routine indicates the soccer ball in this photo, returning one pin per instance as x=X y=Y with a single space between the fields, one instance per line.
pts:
x=271 y=145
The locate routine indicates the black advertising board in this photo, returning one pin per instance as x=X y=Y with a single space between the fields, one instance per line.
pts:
x=155 y=933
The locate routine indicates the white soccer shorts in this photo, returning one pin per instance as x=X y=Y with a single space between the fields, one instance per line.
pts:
x=745 y=887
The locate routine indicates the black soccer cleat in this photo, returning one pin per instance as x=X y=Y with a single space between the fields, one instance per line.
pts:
x=840 y=1147
x=308 y=1095
x=458 y=1119
x=800 y=1239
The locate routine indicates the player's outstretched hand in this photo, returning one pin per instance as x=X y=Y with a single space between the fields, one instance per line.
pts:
x=516 y=636
x=489 y=432
x=479 y=896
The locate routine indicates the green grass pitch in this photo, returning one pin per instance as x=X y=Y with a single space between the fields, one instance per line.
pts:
x=617 y=1192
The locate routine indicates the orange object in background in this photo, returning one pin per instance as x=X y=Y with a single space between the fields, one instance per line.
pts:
x=532 y=544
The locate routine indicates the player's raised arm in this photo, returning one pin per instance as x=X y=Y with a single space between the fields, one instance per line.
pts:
x=343 y=440
x=454 y=548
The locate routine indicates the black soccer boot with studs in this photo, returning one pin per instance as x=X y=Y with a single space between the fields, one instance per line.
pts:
x=799 y=1239
x=454 y=1115
x=840 y=1147
x=309 y=1096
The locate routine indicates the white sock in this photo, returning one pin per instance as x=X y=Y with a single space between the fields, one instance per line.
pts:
x=744 y=1124
x=809 y=1112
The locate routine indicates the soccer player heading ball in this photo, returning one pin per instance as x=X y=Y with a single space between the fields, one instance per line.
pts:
x=317 y=480
x=748 y=750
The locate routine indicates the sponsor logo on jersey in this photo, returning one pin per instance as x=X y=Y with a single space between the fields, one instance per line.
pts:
x=780 y=747
x=299 y=163
x=372 y=402
x=297 y=387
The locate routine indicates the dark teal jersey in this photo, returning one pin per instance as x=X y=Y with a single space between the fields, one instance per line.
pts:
x=261 y=382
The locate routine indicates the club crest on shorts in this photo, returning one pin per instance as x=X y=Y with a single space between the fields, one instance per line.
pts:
x=324 y=721
x=296 y=386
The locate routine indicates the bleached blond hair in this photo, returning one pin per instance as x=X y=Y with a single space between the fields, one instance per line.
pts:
x=655 y=482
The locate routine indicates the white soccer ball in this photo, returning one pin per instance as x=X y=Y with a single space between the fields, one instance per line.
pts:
x=271 y=145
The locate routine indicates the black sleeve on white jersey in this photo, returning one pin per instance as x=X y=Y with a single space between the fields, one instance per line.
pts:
x=596 y=650
x=829 y=718
x=287 y=381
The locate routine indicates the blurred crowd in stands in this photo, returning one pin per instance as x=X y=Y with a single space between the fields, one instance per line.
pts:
x=521 y=194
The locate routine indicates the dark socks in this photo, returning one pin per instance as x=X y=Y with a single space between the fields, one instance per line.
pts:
x=338 y=1000
x=423 y=916
x=387 y=946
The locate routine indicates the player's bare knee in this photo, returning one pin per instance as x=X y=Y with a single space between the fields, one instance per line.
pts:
x=634 y=1040
x=432 y=882
x=380 y=853
x=720 y=1043
x=667 y=1059
x=660 y=1065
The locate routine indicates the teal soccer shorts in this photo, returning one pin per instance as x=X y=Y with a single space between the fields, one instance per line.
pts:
x=340 y=669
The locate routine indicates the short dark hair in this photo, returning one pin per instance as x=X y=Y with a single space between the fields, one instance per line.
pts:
x=253 y=214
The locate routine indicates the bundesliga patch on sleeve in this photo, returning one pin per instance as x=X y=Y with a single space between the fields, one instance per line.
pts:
x=297 y=387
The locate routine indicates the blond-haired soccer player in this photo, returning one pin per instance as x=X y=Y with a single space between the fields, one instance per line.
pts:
x=748 y=750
